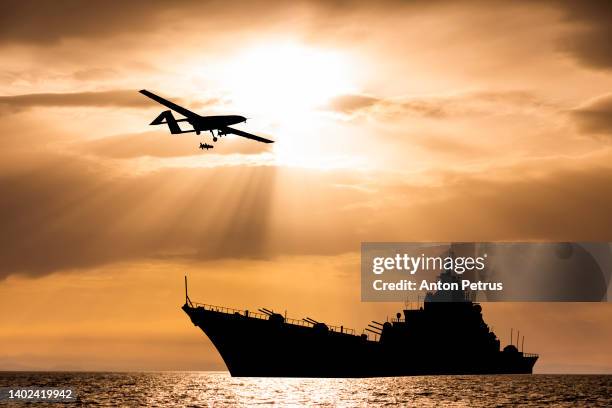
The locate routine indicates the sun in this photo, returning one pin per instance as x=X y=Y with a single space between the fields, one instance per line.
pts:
x=285 y=80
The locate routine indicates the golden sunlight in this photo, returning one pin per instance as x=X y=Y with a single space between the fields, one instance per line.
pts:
x=285 y=79
x=280 y=87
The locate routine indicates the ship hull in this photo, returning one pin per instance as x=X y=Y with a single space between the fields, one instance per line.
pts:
x=254 y=347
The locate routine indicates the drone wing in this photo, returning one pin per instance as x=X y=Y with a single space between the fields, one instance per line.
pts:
x=228 y=130
x=178 y=109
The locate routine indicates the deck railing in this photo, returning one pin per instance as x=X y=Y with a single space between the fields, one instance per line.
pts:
x=263 y=316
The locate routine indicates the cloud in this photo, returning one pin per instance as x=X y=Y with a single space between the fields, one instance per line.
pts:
x=351 y=103
x=595 y=116
x=67 y=213
x=119 y=98
x=31 y=22
x=589 y=41
x=163 y=144
x=89 y=74
x=442 y=106
x=101 y=99
x=451 y=146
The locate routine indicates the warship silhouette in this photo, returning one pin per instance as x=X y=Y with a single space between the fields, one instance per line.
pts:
x=444 y=336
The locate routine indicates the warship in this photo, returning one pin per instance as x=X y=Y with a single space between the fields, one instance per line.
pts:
x=443 y=336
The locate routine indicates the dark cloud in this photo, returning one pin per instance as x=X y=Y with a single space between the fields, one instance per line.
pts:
x=31 y=21
x=558 y=204
x=595 y=117
x=589 y=40
x=115 y=98
x=68 y=213
x=35 y=22
x=45 y=23
x=122 y=98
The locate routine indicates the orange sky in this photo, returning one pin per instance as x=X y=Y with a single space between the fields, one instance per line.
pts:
x=393 y=121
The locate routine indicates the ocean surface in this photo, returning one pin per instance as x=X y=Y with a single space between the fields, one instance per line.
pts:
x=208 y=389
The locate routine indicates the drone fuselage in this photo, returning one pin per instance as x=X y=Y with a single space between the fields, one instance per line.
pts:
x=215 y=122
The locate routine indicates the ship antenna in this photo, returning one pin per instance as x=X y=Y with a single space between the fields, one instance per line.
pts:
x=523 y=344
x=518 y=336
x=511 y=335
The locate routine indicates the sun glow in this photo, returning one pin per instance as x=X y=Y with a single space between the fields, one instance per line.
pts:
x=281 y=87
x=285 y=81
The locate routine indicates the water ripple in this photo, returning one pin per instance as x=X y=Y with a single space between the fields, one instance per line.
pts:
x=218 y=389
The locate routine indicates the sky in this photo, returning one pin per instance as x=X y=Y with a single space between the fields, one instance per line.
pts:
x=392 y=121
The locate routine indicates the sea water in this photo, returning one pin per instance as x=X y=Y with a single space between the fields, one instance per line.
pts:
x=212 y=389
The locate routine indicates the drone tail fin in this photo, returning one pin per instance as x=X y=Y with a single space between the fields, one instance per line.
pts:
x=167 y=118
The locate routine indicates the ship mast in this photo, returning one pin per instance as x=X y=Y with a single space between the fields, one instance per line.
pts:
x=187 y=300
